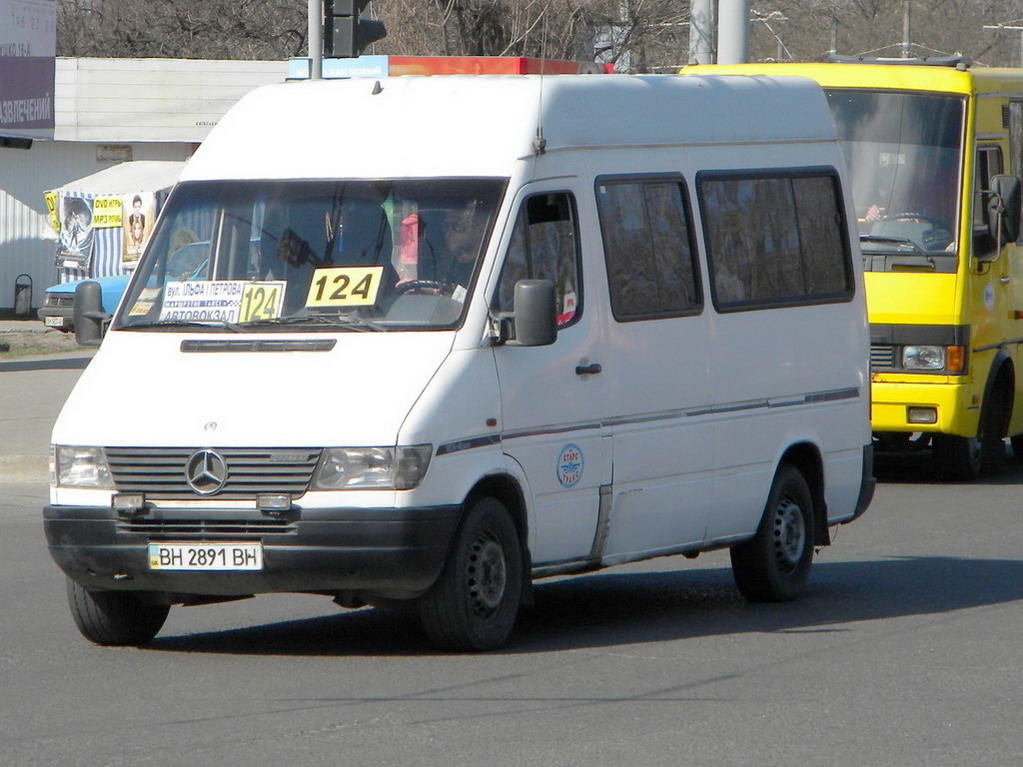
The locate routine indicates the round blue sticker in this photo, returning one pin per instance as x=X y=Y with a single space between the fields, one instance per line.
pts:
x=570 y=465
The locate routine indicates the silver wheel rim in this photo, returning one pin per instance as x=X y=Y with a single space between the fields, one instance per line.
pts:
x=486 y=575
x=789 y=535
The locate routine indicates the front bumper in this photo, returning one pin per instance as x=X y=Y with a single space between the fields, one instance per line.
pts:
x=956 y=412
x=380 y=552
x=61 y=318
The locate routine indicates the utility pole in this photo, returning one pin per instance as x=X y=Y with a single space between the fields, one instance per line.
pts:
x=733 y=31
x=907 y=44
x=315 y=37
x=701 y=32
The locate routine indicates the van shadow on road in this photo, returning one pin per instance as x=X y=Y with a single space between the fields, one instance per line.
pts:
x=617 y=609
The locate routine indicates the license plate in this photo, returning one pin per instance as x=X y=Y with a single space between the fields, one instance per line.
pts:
x=53 y=322
x=205 y=556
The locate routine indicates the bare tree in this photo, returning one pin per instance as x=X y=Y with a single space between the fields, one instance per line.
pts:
x=635 y=35
x=239 y=29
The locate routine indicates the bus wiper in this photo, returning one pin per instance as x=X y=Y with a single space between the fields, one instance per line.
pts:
x=901 y=243
x=208 y=325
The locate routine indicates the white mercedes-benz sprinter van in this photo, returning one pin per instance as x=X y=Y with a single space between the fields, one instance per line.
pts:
x=430 y=339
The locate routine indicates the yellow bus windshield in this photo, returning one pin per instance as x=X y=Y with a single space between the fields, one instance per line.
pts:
x=904 y=152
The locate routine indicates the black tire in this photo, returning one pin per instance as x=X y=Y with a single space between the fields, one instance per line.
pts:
x=1016 y=440
x=114 y=617
x=960 y=459
x=475 y=601
x=773 y=565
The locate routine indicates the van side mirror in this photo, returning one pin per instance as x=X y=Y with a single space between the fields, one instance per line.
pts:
x=534 y=319
x=90 y=319
x=1004 y=208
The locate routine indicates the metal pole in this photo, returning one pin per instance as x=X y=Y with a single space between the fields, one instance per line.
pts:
x=733 y=31
x=701 y=32
x=315 y=13
x=907 y=43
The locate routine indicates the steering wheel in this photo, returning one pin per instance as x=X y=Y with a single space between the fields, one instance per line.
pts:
x=937 y=223
x=420 y=285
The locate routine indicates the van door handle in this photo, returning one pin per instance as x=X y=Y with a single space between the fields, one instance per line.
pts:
x=588 y=370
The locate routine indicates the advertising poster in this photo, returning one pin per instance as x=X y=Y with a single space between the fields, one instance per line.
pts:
x=28 y=43
x=138 y=212
x=74 y=249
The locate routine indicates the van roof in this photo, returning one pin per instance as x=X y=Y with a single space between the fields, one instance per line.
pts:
x=482 y=125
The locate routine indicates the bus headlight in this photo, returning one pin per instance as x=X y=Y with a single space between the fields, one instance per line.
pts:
x=372 y=468
x=923 y=357
x=74 y=466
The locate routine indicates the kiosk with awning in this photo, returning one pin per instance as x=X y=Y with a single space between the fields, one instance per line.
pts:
x=104 y=220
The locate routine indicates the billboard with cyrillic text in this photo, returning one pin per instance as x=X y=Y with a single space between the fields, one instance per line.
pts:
x=28 y=44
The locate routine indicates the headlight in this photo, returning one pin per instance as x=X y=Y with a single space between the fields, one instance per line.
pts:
x=372 y=468
x=923 y=357
x=79 y=467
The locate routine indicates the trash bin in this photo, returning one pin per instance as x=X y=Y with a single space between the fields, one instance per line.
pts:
x=23 y=295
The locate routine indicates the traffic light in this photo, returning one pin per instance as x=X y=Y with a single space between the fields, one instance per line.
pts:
x=346 y=35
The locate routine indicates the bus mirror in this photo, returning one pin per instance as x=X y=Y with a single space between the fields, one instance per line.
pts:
x=1004 y=208
x=535 y=315
x=90 y=319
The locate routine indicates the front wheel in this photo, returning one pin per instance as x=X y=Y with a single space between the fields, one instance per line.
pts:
x=114 y=617
x=475 y=601
x=960 y=459
x=773 y=565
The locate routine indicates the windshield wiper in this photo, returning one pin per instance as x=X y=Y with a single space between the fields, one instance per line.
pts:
x=209 y=325
x=346 y=321
x=902 y=243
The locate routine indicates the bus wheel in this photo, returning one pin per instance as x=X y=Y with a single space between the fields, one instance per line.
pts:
x=114 y=617
x=773 y=566
x=1016 y=440
x=475 y=601
x=960 y=459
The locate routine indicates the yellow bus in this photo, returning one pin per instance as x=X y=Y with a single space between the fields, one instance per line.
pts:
x=935 y=150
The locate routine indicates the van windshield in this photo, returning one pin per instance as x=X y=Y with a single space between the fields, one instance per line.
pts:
x=904 y=154
x=315 y=255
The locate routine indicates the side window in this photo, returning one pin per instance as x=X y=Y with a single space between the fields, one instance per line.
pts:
x=1016 y=138
x=544 y=245
x=775 y=239
x=988 y=165
x=651 y=267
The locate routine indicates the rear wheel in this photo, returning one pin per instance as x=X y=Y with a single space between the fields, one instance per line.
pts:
x=475 y=601
x=773 y=566
x=114 y=617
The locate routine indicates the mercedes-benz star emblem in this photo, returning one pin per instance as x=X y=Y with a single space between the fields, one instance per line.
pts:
x=206 y=472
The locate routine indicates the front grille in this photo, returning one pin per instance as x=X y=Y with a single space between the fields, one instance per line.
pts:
x=882 y=357
x=60 y=301
x=159 y=473
x=205 y=529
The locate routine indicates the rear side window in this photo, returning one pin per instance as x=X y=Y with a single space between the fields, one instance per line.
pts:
x=651 y=264
x=775 y=239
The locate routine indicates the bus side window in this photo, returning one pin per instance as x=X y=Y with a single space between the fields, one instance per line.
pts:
x=987 y=166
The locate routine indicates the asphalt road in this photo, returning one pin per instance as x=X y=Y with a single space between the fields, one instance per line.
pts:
x=906 y=651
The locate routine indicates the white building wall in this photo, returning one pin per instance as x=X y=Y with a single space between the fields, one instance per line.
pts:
x=109 y=111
